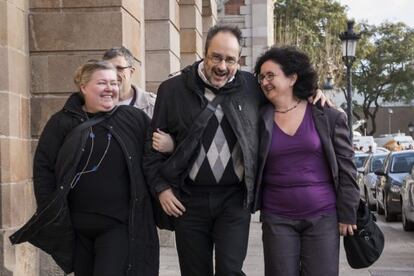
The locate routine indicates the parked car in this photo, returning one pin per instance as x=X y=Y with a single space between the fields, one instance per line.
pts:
x=407 y=202
x=360 y=158
x=367 y=179
x=397 y=166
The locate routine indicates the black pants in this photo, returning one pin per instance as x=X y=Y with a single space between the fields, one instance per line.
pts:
x=101 y=245
x=213 y=220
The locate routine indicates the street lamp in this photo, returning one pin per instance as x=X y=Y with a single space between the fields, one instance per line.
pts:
x=411 y=128
x=390 y=112
x=349 y=41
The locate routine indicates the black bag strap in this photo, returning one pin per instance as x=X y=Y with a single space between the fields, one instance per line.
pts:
x=89 y=123
x=177 y=163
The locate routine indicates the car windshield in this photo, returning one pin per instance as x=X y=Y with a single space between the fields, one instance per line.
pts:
x=377 y=162
x=360 y=160
x=402 y=163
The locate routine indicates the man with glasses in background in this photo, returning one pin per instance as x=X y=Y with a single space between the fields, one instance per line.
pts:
x=123 y=60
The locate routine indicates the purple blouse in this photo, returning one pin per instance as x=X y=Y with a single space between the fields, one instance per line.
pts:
x=297 y=182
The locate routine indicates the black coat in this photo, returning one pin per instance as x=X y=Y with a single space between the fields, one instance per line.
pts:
x=333 y=131
x=55 y=163
x=181 y=99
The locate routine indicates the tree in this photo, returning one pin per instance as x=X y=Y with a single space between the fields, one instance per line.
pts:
x=384 y=69
x=313 y=26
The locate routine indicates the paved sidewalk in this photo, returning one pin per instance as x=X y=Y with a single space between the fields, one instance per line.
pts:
x=396 y=260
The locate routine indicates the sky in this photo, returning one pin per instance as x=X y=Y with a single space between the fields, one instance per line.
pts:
x=377 y=11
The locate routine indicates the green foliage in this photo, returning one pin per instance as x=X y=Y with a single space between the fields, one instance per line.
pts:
x=384 y=69
x=313 y=26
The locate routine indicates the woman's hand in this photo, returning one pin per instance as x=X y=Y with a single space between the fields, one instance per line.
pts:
x=162 y=142
x=319 y=96
x=346 y=229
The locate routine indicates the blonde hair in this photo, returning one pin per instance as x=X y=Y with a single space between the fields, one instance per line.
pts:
x=84 y=72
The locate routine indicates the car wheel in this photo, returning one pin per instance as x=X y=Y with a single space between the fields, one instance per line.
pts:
x=407 y=225
x=388 y=216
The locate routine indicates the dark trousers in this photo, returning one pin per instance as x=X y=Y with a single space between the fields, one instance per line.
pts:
x=213 y=220
x=301 y=247
x=101 y=245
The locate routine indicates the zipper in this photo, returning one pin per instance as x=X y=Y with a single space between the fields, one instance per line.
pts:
x=38 y=215
x=133 y=197
x=128 y=158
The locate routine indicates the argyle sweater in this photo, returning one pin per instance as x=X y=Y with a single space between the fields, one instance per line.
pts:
x=220 y=161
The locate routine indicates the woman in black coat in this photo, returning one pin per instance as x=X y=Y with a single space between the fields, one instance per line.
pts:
x=94 y=212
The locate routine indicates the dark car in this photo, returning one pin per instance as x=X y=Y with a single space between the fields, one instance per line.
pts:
x=407 y=202
x=367 y=179
x=397 y=166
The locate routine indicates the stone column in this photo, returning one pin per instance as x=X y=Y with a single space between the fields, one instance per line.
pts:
x=65 y=34
x=209 y=14
x=162 y=41
x=262 y=27
x=16 y=200
x=191 y=31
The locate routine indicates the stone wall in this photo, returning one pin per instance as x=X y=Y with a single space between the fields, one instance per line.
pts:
x=16 y=201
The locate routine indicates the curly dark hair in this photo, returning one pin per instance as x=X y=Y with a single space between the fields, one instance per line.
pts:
x=291 y=61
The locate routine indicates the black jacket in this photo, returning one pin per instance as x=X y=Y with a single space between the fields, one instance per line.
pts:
x=56 y=159
x=181 y=99
x=333 y=131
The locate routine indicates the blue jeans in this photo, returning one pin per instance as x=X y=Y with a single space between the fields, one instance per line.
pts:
x=307 y=247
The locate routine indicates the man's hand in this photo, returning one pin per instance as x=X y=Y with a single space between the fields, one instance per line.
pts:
x=346 y=229
x=319 y=96
x=170 y=204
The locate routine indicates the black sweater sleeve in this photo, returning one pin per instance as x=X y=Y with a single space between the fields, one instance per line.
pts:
x=153 y=159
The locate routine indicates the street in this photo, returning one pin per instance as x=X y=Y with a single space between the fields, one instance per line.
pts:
x=397 y=258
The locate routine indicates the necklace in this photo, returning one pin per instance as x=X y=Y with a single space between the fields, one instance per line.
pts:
x=289 y=109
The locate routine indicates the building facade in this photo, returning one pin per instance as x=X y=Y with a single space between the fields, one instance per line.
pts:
x=42 y=42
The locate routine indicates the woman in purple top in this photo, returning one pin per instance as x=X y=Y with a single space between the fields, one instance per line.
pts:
x=306 y=188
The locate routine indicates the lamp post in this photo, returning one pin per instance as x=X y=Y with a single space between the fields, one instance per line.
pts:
x=411 y=128
x=390 y=112
x=349 y=40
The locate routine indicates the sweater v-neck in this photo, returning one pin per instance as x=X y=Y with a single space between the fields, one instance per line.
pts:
x=298 y=130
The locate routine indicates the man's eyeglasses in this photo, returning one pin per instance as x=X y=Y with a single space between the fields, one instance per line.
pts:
x=122 y=68
x=268 y=77
x=216 y=59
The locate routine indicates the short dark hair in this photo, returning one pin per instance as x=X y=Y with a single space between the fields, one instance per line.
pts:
x=119 y=52
x=234 y=30
x=292 y=61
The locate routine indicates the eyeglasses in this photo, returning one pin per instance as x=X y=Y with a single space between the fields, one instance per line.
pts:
x=268 y=77
x=216 y=59
x=122 y=68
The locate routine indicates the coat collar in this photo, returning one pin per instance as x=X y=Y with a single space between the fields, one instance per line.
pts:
x=267 y=115
x=321 y=121
x=75 y=102
x=195 y=83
